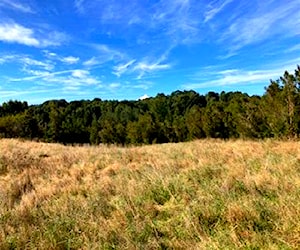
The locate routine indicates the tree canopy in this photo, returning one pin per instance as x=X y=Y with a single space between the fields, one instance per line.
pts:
x=180 y=116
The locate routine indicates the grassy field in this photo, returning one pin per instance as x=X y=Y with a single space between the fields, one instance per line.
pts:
x=199 y=195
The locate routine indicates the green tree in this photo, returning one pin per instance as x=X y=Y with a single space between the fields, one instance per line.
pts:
x=290 y=93
x=194 y=123
x=142 y=130
x=273 y=107
x=55 y=122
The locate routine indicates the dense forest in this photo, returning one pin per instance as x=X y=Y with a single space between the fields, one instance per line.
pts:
x=181 y=116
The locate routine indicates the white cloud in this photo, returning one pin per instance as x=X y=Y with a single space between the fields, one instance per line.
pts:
x=80 y=77
x=8 y=58
x=145 y=67
x=122 y=68
x=91 y=62
x=32 y=62
x=49 y=54
x=78 y=73
x=103 y=54
x=107 y=52
x=143 y=97
x=114 y=85
x=68 y=78
x=66 y=59
x=70 y=59
x=29 y=65
x=16 y=6
x=77 y=78
x=38 y=73
x=15 y=33
x=53 y=38
x=42 y=75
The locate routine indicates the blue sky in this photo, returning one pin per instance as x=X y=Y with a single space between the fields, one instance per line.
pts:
x=128 y=49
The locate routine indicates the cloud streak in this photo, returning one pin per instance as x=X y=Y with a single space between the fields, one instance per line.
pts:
x=103 y=54
x=239 y=77
x=122 y=68
x=214 y=9
x=143 y=67
x=265 y=21
x=140 y=67
x=15 y=5
x=177 y=20
x=180 y=19
x=74 y=77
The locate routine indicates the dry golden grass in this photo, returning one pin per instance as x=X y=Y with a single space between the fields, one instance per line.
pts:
x=207 y=194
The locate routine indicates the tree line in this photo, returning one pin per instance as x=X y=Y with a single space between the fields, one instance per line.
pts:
x=180 y=116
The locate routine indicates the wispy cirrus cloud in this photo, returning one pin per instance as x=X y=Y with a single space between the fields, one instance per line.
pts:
x=176 y=20
x=17 y=93
x=267 y=20
x=146 y=67
x=64 y=59
x=214 y=9
x=91 y=62
x=28 y=64
x=15 y=5
x=143 y=66
x=44 y=73
x=11 y=32
x=232 y=77
x=209 y=78
x=78 y=4
x=32 y=62
x=293 y=48
x=7 y=58
x=103 y=54
x=180 y=19
x=105 y=51
x=140 y=67
x=122 y=68
x=75 y=78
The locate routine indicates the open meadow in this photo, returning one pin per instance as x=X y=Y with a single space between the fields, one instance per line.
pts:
x=206 y=194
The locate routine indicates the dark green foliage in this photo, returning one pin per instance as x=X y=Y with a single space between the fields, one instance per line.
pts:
x=181 y=116
x=12 y=108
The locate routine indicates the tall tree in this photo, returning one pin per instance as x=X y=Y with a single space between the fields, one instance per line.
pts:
x=290 y=93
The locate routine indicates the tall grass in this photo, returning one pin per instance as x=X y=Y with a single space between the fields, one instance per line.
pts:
x=198 y=195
